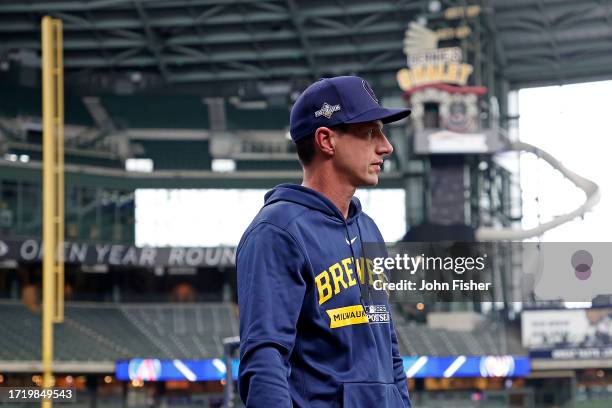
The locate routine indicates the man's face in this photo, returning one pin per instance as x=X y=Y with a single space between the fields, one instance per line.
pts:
x=360 y=152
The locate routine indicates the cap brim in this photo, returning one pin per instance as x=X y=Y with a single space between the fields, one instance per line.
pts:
x=382 y=114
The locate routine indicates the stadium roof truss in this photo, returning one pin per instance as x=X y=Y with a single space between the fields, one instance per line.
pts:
x=223 y=44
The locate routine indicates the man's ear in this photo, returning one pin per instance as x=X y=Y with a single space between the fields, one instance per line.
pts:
x=324 y=138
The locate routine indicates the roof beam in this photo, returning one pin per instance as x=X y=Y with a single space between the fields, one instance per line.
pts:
x=251 y=69
x=140 y=41
x=382 y=28
x=198 y=28
x=171 y=21
x=566 y=76
x=215 y=38
x=517 y=4
x=570 y=77
x=584 y=15
x=167 y=21
x=571 y=20
x=565 y=49
x=199 y=19
x=363 y=9
x=561 y=36
x=253 y=43
x=500 y=53
x=530 y=24
x=527 y=10
x=366 y=21
x=380 y=58
x=297 y=19
x=79 y=5
x=607 y=6
x=269 y=6
x=15 y=27
x=153 y=43
x=328 y=22
x=344 y=68
x=50 y=7
x=283 y=72
x=351 y=37
x=98 y=38
x=242 y=74
x=112 y=62
x=245 y=55
x=595 y=62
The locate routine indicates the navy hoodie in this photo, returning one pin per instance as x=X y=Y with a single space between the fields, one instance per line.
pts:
x=305 y=339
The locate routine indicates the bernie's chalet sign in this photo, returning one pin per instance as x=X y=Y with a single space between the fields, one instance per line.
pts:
x=428 y=64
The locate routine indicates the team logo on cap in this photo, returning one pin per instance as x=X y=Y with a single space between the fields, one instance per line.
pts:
x=369 y=90
x=327 y=110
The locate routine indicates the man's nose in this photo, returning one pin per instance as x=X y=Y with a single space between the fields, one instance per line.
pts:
x=385 y=148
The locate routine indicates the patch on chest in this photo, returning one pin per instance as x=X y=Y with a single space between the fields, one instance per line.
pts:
x=355 y=314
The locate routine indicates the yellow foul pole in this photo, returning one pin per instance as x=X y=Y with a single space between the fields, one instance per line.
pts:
x=53 y=191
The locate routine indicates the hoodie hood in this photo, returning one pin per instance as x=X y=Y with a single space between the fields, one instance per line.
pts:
x=312 y=199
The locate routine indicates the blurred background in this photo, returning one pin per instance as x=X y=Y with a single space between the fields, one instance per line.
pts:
x=176 y=123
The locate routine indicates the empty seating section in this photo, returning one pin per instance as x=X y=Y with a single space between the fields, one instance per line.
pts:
x=157 y=111
x=107 y=332
x=246 y=165
x=20 y=339
x=270 y=118
x=26 y=101
x=185 y=330
x=489 y=339
x=21 y=208
x=113 y=163
x=154 y=112
x=91 y=214
x=176 y=154
x=149 y=111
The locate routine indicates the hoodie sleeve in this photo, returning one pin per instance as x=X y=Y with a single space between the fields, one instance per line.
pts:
x=399 y=374
x=271 y=290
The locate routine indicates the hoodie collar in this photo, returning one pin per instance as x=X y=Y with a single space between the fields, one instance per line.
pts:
x=312 y=199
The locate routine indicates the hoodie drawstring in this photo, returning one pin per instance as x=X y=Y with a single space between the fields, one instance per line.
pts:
x=365 y=268
x=355 y=262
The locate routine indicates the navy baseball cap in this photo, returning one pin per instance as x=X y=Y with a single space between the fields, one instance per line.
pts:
x=334 y=101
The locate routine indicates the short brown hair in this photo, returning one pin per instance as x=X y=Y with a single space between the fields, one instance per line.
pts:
x=306 y=146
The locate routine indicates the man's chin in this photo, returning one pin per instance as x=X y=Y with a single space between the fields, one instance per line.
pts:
x=370 y=181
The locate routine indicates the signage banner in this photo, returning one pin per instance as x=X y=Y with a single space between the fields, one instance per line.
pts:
x=568 y=334
x=31 y=250
x=416 y=367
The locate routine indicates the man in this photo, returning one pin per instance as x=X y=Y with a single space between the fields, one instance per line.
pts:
x=310 y=333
